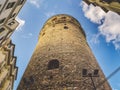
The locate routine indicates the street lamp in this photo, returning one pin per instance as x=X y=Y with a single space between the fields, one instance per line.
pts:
x=93 y=74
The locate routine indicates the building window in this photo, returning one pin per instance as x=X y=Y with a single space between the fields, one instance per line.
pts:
x=10 y=5
x=2 y=20
x=2 y=29
x=53 y=64
x=65 y=27
x=21 y=2
x=50 y=77
x=0 y=5
x=13 y=15
x=11 y=23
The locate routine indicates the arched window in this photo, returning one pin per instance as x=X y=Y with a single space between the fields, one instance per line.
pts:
x=53 y=64
x=65 y=27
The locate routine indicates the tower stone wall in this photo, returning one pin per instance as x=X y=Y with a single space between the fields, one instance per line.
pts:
x=61 y=55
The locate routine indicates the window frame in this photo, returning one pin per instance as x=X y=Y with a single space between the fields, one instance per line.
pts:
x=10 y=5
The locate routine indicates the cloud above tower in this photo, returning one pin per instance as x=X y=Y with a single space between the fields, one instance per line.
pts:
x=36 y=3
x=108 y=23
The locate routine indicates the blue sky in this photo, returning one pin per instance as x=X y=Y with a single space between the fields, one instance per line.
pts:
x=102 y=30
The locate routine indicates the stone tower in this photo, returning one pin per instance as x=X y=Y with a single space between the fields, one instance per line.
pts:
x=62 y=59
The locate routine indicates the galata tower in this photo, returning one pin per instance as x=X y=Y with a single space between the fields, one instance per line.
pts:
x=63 y=60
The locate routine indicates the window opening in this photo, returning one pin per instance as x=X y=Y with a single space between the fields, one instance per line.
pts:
x=1 y=21
x=53 y=64
x=13 y=15
x=10 y=5
x=21 y=1
x=11 y=23
x=54 y=19
x=65 y=27
x=2 y=29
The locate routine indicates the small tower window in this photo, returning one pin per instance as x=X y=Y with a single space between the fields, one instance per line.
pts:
x=31 y=79
x=54 y=19
x=53 y=64
x=65 y=27
x=43 y=33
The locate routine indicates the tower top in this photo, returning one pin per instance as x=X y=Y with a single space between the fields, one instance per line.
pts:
x=62 y=18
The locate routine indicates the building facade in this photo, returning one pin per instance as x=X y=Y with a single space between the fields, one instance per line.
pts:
x=8 y=69
x=63 y=60
x=8 y=12
x=106 y=5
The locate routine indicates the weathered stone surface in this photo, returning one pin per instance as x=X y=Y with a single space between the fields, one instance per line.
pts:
x=59 y=58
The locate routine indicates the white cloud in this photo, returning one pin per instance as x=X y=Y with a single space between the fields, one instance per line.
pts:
x=29 y=35
x=95 y=14
x=49 y=14
x=21 y=23
x=109 y=27
x=115 y=89
x=95 y=39
x=37 y=3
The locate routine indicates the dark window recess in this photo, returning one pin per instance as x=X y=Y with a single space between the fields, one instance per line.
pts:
x=11 y=23
x=53 y=64
x=28 y=81
x=54 y=19
x=31 y=79
x=2 y=38
x=84 y=72
x=96 y=72
x=63 y=17
x=43 y=34
x=21 y=1
x=2 y=29
x=65 y=27
x=24 y=80
x=10 y=5
x=0 y=5
x=50 y=77
x=13 y=15
x=2 y=20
